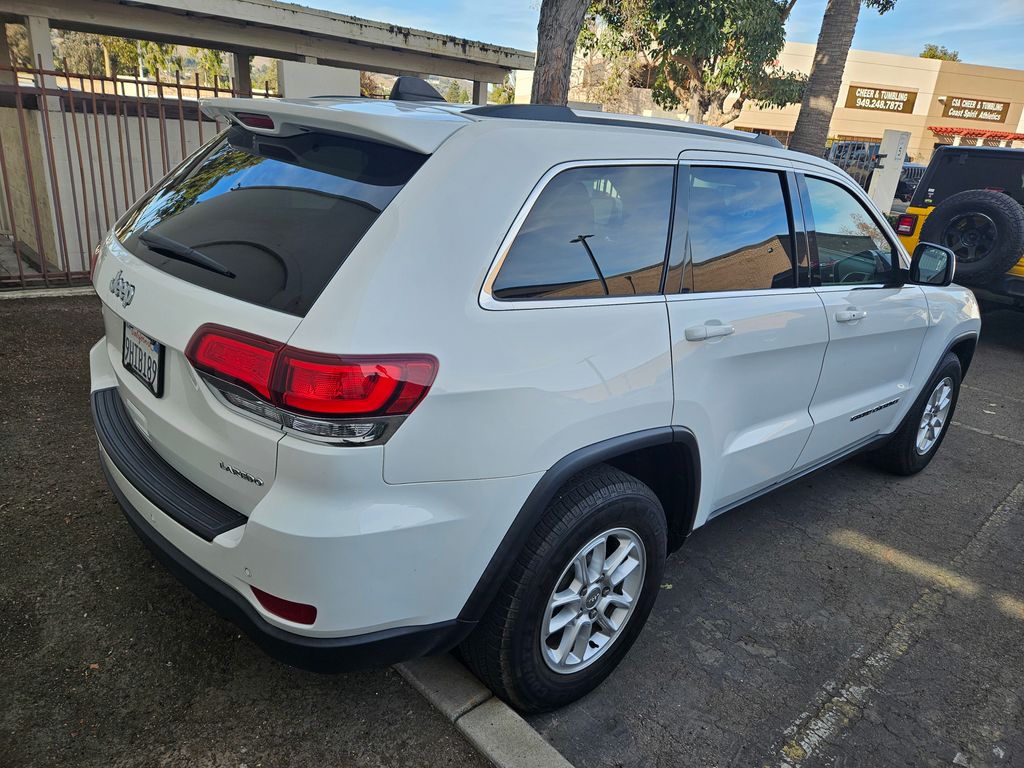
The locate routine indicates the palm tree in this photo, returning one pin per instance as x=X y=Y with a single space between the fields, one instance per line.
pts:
x=822 y=88
x=557 y=30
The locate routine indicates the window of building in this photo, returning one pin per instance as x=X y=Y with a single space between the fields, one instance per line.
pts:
x=851 y=246
x=738 y=230
x=593 y=231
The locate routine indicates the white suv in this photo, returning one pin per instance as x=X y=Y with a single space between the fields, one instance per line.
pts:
x=383 y=378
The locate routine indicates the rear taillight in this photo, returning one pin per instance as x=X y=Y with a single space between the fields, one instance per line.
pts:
x=299 y=613
x=906 y=224
x=329 y=397
x=358 y=386
x=237 y=357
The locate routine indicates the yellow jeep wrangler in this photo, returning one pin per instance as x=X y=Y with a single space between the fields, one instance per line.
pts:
x=971 y=200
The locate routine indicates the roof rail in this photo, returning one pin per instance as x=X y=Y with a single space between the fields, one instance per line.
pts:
x=557 y=114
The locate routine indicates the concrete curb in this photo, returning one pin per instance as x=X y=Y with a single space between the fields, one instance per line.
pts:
x=488 y=723
x=47 y=293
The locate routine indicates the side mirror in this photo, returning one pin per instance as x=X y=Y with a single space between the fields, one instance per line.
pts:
x=932 y=265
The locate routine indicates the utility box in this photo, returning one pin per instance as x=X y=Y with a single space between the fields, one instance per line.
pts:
x=886 y=176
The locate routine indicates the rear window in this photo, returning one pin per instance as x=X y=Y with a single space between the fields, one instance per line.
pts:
x=267 y=219
x=957 y=171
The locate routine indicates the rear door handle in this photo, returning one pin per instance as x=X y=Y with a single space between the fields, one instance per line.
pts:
x=708 y=331
x=851 y=315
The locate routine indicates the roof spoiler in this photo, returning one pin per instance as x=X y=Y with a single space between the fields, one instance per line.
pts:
x=419 y=128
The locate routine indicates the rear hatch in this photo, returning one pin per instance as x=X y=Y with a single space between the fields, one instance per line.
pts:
x=245 y=234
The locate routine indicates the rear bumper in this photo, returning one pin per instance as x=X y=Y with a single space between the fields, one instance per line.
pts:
x=126 y=457
x=317 y=654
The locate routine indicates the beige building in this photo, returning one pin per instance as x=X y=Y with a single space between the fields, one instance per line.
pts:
x=938 y=102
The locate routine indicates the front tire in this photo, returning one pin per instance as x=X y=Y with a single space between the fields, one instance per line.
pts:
x=915 y=443
x=577 y=596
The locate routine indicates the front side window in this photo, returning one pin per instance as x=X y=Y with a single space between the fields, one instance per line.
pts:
x=738 y=230
x=593 y=231
x=851 y=247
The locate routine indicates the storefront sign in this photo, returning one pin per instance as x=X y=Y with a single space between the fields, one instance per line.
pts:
x=880 y=99
x=976 y=109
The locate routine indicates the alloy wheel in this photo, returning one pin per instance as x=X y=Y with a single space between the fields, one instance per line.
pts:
x=936 y=411
x=592 y=600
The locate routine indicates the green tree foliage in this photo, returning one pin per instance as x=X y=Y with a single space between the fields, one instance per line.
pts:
x=90 y=54
x=264 y=77
x=710 y=56
x=455 y=93
x=17 y=41
x=505 y=93
x=160 y=57
x=82 y=52
x=210 y=65
x=933 y=51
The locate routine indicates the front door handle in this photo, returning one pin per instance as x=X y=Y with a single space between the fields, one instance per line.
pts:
x=708 y=331
x=851 y=315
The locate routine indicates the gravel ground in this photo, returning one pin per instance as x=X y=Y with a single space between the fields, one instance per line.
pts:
x=105 y=659
x=850 y=619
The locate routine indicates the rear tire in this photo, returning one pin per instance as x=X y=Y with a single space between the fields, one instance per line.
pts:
x=984 y=229
x=916 y=441
x=513 y=650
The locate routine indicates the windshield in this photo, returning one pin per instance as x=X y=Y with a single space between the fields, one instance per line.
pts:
x=279 y=214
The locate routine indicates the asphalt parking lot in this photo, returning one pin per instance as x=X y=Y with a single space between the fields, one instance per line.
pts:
x=105 y=660
x=850 y=619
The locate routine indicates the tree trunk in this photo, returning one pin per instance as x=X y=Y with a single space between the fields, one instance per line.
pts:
x=559 y=27
x=108 y=70
x=822 y=88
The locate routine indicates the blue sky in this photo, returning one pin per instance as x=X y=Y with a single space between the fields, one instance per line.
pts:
x=989 y=32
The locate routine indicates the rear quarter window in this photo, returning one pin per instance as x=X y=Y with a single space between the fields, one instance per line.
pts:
x=593 y=231
x=280 y=214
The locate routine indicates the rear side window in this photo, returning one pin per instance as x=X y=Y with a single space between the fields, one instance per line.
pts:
x=959 y=171
x=593 y=231
x=738 y=230
x=274 y=216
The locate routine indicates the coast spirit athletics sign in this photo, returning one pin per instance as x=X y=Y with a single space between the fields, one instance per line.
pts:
x=880 y=99
x=967 y=108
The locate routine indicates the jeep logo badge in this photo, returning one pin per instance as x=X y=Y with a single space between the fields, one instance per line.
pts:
x=121 y=288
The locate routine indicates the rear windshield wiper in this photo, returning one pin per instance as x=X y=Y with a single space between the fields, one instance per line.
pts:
x=175 y=250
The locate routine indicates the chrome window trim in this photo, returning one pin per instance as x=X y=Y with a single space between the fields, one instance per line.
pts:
x=751 y=293
x=486 y=298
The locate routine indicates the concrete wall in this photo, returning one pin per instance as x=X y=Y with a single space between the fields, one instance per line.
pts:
x=97 y=180
x=21 y=217
x=298 y=80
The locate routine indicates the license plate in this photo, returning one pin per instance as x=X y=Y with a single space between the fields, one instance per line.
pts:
x=144 y=358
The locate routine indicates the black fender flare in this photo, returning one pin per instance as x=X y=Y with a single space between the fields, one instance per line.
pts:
x=545 y=492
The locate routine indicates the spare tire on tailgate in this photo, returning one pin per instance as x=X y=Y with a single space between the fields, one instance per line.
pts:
x=984 y=229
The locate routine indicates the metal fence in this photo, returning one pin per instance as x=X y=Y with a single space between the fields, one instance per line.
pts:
x=76 y=150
